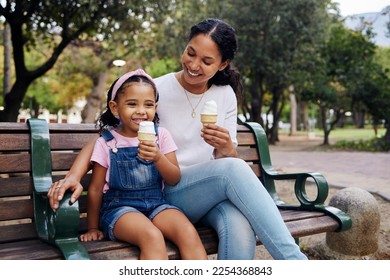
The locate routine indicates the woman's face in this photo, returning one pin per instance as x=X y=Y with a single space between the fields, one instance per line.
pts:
x=200 y=61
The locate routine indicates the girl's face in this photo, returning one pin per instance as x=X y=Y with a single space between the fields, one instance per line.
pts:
x=200 y=61
x=136 y=104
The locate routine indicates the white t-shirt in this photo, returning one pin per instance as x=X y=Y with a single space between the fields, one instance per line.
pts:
x=175 y=112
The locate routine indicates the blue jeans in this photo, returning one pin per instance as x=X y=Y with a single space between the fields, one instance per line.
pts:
x=208 y=192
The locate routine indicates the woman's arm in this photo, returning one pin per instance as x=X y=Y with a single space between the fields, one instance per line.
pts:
x=223 y=137
x=220 y=139
x=72 y=179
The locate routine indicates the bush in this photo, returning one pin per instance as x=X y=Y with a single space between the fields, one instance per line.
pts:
x=371 y=145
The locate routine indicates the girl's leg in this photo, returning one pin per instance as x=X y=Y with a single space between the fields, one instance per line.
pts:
x=212 y=182
x=176 y=227
x=237 y=241
x=137 y=229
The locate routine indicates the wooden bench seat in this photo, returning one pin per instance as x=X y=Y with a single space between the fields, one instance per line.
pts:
x=34 y=154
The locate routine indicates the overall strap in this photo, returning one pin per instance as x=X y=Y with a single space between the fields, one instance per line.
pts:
x=156 y=129
x=107 y=135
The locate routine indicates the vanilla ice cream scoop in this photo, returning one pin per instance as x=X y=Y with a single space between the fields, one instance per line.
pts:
x=210 y=107
x=146 y=131
x=209 y=113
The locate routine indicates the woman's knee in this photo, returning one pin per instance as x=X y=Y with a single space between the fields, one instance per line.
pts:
x=235 y=168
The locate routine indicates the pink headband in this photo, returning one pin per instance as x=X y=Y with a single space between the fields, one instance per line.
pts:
x=121 y=80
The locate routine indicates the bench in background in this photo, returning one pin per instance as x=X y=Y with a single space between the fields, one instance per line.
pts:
x=34 y=154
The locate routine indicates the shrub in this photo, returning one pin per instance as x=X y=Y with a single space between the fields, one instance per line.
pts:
x=371 y=145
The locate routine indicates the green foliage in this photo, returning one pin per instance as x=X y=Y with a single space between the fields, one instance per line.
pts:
x=347 y=78
x=53 y=25
x=276 y=38
x=66 y=83
x=72 y=18
x=371 y=145
x=170 y=36
x=382 y=57
x=160 y=67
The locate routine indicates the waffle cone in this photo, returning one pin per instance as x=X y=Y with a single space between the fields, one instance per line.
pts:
x=144 y=136
x=208 y=118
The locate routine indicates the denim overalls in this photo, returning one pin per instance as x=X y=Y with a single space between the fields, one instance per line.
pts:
x=135 y=186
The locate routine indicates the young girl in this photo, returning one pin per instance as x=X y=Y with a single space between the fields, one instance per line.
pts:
x=128 y=176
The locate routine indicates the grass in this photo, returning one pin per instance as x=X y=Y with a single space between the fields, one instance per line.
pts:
x=345 y=133
x=351 y=133
x=353 y=139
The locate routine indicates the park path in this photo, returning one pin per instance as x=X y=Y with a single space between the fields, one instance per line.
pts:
x=369 y=171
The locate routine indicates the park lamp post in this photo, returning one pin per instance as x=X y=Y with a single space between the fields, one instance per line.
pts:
x=119 y=63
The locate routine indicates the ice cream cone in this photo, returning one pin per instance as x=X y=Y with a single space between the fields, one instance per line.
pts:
x=146 y=131
x=144 y=136
x=208 y=118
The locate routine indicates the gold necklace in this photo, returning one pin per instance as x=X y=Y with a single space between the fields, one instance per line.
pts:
x=193 y=114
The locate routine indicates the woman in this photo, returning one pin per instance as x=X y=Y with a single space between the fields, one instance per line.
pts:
x=216 y=188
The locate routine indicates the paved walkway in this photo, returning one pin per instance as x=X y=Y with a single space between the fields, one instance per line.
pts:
x=369 y=171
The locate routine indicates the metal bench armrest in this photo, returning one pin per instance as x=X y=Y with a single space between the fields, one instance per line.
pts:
x=269 y=175
x=58 y=228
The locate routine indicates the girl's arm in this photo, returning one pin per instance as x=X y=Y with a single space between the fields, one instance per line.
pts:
x=95 y=195
x=80 y=167
x=169 y=169
x=166 y=164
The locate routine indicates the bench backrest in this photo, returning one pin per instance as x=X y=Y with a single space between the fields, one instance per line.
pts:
x=66 y=140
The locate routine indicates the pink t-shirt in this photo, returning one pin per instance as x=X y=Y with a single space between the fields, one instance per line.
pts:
x=101 y=150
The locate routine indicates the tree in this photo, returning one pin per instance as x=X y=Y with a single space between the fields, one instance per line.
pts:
x=133 y=44
x=273 y=35
x=171 y=32
x=56 y=23
x=374 y=93
x=344 y=72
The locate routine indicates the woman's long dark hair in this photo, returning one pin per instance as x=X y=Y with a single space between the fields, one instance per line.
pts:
x=225 y=37
x=107 y=118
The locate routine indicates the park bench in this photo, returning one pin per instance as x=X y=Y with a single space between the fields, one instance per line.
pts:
x=34 y=154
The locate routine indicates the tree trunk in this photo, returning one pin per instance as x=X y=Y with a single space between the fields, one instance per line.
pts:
x=359 y=116
x=278 y=101
x=256 y=101
x=386 y=137
x=305 y=116
x=325 y=126
x=7 y=59
x=94 y=103
x=13 y=101
x=293 y=111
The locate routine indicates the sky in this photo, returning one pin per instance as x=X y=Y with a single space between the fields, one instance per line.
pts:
x=350 y=7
